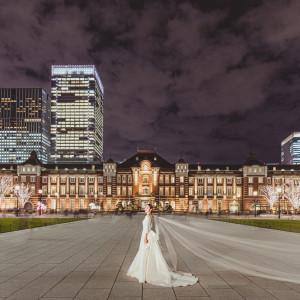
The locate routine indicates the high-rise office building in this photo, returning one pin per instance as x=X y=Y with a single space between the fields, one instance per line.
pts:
x=290 y=149
x=76 y=114
x=24 y=124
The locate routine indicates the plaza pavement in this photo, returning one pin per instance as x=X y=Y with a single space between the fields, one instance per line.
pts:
x=88 y=260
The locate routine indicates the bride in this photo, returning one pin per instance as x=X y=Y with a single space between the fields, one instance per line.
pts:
x=149 y=264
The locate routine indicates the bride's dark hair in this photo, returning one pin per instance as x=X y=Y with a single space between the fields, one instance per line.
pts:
x=150 y=205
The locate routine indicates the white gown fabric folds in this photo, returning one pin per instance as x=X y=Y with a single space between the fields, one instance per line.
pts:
x=150 y=266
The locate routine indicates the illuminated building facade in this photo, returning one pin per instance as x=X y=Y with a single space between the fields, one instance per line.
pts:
x=146 y=177
x=24 y=124
x=76 y=114
x=290 y=149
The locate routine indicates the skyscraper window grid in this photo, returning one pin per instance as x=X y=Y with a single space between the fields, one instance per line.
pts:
x=24 y=124
x=290 y=149
x=77 y=98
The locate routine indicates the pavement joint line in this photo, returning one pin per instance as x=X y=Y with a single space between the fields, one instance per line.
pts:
x=133 y=236
x=53 y=268
x=104 y=261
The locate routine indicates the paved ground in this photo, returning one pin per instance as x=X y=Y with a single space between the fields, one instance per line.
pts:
x=89 y=259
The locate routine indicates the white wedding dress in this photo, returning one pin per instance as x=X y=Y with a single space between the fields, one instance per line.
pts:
x=150 y=266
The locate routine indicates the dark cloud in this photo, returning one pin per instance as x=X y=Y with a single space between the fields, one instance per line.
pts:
x=210 y=79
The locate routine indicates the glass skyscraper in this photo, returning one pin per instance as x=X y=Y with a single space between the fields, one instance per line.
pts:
x=24 y=124
x=290 y=149
x=76 y=114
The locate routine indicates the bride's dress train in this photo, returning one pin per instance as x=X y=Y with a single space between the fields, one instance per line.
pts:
x=150 y=266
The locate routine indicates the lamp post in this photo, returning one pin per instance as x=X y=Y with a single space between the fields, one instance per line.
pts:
x=279 y=204
x=40 y=200
x=255 y=201
x=17 y=188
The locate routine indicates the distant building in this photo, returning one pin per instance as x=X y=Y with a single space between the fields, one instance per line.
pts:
x=76 y=114
x=24 y=124
x=290 y=149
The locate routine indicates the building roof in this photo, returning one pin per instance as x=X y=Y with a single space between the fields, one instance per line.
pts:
x=32 y=160
x=251 y=160
x=150 y=155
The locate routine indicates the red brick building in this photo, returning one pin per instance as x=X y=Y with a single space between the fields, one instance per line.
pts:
x=146 y=177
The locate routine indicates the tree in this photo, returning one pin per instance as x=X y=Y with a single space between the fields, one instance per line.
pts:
x=5 y=186
x=292 y=192
x=22 y=193
x=271 y=194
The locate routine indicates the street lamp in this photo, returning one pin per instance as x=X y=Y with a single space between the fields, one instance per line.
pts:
x=278 y=189
x=40 y=199
x=255 y=201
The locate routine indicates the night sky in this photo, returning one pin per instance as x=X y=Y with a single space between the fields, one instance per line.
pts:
x=210 y=79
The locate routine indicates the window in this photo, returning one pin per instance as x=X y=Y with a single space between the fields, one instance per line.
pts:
x=100 y=190
x=145 y=179
x=129 y=179
x=91 y=190
x=119 y=179
x=250 y=179
x=108 y=178
x=200 y=191
x=181 y=179
x=219 y=191
x=124 y=190
x=118 y=190
x=172 y=179
x=191 y=191
x=191 y=180
x=124 y=178
x=62 y=189
x=200 y=180
x=81 y=190
x=229 y=180
x=209 y=191
x=145 y=191
x=260 y=191
x=72 y=179
x=91 y=179
x=81 y=179
x=100 y=180
x=32 y=189
x=219 y=180
x=63 y=180
x=173 y=191
x=72 y=190
x=161 y=178
x=269 y=180
x=167 y=179
x=238 y=191
x=209 y=180
x=167 y=191
x=239 y=180
x=53 y=190
x=181 y=191
x=44 y=179
x=108 y=190
x=32 y=178
x=81 y=203
x=260 y=180
x=23 y=178
x=277 y=181
x=72 y=204
x=45 y=190
x=129 y=191
x=62 y=204
x=250 y=191
x=229 y=191
x=161 y=191
x=53 y=179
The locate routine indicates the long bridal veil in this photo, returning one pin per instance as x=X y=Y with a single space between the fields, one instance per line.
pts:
x=254 y=251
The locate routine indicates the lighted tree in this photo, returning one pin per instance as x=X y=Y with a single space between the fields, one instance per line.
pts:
x=22 y=193
x=5 y=186
x=292 y=192
x=271 y=194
